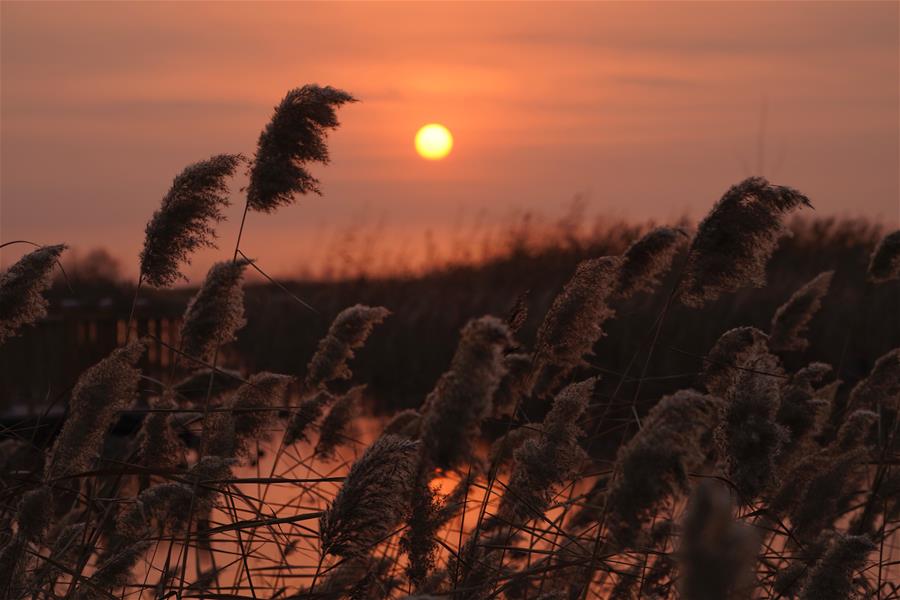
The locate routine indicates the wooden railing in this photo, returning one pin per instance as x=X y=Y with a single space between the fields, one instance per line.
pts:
x=40 y=366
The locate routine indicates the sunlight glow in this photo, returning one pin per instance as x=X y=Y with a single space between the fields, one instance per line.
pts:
x=434 y=141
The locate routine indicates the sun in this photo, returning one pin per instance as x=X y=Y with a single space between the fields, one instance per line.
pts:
x=434 y=141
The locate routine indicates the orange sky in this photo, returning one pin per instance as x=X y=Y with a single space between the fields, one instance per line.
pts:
x=651 y=110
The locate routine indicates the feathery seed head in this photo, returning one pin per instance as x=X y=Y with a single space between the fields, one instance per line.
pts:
x=735 y=240
x=832 y=577
x=647 y=259
x=348 y=332
x=514 y=385
x=734 y=350
x=208 y=472
x=749 y=438
x=884 y=265
x=113 y=572
x=101 y=392
x=405 y=423
x=219 y=437
x=22 y=287
x=294 y=137
x=159 y=445
x=792 y=318
x=307 y=413
x=504 y=447
x=419 y=541
x=804 y=402
x=251 y=408
x=812 y=490
x=170 y=503
x=374 y=499
x=655 y=463
x=167 y=503
x=235 y=428
x=881 y=387
x=34 y=512
x=215 y=312
x=811 y=375
x=357 y=578
x=549 y=459
x=461 y=399
x=182 y=224
x=855 y=430
x=789 y=580
x=574 y=322
x=337 y=427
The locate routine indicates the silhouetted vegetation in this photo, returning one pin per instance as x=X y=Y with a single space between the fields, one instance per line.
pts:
x=643 y=413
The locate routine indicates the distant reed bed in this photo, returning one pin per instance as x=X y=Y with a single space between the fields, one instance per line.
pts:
x=530 y=469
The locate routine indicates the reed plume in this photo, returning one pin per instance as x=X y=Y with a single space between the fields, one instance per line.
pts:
x=881 y=387
x=805 y=403
x=788 y=330
x=854 y=431
x=307 y=413
x=736 y=239
x=168 y=504
x=348 y=332
x=159 y=446
x=549 y=459
x=749 y=437
x=832 y=577
x=338 y=427
x=655 y=463
x=503 y=449
x=182 y=223
x=812 y=490
x=22 y=287
x=514 y=386
x=789 y=580
x=429 y=513
x=734 y=350
x=884 y=265
x=113 y=572
x=717 y=554
x=295 y=137
x=173 y=504
x=254 y=408
x=215 y=312
x=405 y=423
x=101 y=392
x=247 y=416
x=64 y=550
x=358 y=578
x=34 y=511
x=461 y=399
x=420 y=541
x=574 y=323
x=480 y=566
x=648 y=259
x=15 y=565
x=374 y=499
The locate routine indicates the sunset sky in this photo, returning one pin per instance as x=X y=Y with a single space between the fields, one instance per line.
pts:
x=648 y=110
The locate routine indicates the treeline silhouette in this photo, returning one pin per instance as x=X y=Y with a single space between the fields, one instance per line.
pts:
x=852 y=329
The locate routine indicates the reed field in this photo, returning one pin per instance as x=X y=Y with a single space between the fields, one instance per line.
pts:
x=703 y=411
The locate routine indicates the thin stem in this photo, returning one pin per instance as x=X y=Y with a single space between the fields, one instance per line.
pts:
x=134 y=299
